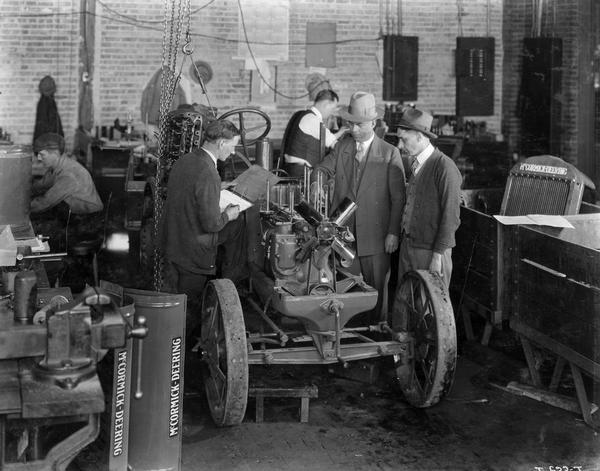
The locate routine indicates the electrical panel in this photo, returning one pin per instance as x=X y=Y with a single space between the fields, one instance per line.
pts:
x=400 y=68
x=540 y=96
x=475 y=76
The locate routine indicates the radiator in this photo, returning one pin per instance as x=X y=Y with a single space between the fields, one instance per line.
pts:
x=543 y=185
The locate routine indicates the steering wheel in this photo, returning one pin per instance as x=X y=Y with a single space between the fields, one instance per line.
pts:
x=240 y=112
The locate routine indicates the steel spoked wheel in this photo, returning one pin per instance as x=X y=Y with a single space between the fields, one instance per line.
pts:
x=225 y=353
x=424 y=311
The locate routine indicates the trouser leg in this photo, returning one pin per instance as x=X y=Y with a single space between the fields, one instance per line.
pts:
x=233 y=247
x=374 y=269
x=415 y=258
x=192 y=285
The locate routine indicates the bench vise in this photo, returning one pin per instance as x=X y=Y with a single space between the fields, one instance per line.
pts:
x=50 y=345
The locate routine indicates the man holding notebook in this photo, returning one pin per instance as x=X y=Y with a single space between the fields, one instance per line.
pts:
x=193 y=225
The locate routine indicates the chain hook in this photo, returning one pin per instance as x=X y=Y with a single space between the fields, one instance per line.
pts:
x=188 y=48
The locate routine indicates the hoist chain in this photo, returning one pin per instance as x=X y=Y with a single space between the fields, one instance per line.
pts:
x=174 y=12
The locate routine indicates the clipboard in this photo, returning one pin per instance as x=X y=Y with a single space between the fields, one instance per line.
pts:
x=229 y=196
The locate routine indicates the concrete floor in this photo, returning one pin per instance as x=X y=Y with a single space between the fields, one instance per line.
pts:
x=358 y=426
x=355 y=425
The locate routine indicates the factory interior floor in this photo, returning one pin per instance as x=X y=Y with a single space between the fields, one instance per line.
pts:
x=359 y=421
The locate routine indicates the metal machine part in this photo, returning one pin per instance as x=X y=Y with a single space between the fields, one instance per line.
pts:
x=543 y=185
x=50 y=364
x=183 y=135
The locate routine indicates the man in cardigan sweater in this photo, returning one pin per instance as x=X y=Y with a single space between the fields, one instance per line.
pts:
x=368 y=171
x=193 y=226
x=432 y=213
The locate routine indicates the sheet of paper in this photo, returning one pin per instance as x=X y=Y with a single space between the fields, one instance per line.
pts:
x=550 y=220
x=536 y=220
x=513 y=220
x=228 y=197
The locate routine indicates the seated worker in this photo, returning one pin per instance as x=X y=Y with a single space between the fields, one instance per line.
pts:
x=193 y=225
x=306 y=137
x=65 y=179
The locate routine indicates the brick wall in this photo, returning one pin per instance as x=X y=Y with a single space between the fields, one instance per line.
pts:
x=127 y=56
x=37 y=38
x=560 y=19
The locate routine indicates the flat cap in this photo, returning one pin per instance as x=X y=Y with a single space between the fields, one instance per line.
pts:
x=49 y=141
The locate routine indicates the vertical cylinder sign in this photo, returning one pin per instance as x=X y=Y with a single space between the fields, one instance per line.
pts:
x=15 y=185
x=156 y=420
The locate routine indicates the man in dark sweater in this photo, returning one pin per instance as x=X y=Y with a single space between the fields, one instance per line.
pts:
x=432 y=212
x=306 y=137
x=193 y=225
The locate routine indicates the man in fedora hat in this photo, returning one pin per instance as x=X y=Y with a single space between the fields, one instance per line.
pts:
x=431 y=213
x=368 y=171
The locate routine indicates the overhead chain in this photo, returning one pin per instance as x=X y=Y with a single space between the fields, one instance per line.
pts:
x=173 y=21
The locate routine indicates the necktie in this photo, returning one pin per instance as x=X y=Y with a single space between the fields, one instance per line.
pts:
x=360 y=151
x=414 y=163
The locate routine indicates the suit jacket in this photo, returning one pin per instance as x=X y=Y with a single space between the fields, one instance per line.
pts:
x=380 y=195
x=192 y=218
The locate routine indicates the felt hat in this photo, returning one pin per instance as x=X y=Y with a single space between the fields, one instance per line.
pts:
x=417 y=120
x=361 y=108
x=49 y=141
x=47 y=86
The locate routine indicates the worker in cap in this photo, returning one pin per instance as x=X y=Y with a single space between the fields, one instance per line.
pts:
x=368 y=171
x=432 y=211
x=65 y=179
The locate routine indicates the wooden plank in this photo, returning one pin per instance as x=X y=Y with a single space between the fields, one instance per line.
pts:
x=481 y=289
x=576 y=261
x=307 y=391
x=473 y=223
x=557 y=373
x=304 y=409
x=260 y=408
x=581 y=395
x=528 y=350
x=589 y=366
x=564 y=311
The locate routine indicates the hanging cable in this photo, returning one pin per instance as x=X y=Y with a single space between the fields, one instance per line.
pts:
x=459 y=8
x=195 y=35
x=132 y=18
x=400 y=19
x=487 y=19
x=380 y=18
x=256 y=63
x=387 y=17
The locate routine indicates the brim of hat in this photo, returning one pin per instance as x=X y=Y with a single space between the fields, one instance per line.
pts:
x=413 y=128
x=356 y=119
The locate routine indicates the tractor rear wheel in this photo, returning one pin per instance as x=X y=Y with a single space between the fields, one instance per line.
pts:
x=224 y=350
x=425 y=313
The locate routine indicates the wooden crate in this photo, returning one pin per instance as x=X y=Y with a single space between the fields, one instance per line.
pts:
x=558 y=280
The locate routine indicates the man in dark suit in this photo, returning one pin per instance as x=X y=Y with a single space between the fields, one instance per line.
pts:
x=432 y=211
x=193 y=225
x=369 y=171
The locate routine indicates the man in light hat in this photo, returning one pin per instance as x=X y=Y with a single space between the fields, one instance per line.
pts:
x=432 y=210
x=369 y=171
